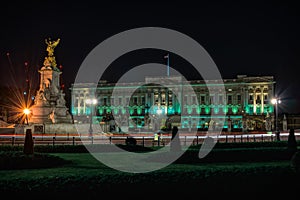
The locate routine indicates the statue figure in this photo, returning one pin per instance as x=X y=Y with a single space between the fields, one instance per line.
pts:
x=51 y=46
x=53 y=88
x=50 y=60
x=52 y=116
x=60 y=101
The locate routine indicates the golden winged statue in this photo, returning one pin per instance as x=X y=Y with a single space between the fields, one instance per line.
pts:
x=51 y=46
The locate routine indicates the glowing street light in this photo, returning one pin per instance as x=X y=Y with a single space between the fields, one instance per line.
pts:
x=91 y=102
x=26 y=111
x=276 y=101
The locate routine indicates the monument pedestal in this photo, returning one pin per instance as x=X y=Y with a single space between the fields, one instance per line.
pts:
x=46 y=114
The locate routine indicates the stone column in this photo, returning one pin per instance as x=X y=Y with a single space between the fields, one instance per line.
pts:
x=262 y=98
x=78 y=104
x=84 y=103
x=152 y=102
x=73 y=101
x=159 y=97
x=254 y=101
x=246 y=97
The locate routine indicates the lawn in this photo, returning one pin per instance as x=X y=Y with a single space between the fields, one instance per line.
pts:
x=87 y=176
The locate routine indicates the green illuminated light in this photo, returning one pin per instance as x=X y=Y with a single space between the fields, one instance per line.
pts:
x=116 y=111
x=207 y=109
x=171 y=110
x=247 y=109
x=189 y=110
x=139 y=111
x=216 y=110
x=131 y=111
x=198 y=110
x=234 y=110
x=225 y=109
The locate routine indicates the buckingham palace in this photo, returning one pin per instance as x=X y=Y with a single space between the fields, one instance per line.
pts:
x=245 y=102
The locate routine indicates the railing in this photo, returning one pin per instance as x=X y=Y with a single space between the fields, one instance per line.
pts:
x=185 y=140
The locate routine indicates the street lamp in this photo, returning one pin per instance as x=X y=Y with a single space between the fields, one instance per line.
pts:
x=91 y=102
x=276 y=101
x=26 y=111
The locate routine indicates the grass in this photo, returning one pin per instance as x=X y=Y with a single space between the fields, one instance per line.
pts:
x=85 y=175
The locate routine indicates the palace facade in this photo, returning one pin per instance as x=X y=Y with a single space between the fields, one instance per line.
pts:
x=245 y=103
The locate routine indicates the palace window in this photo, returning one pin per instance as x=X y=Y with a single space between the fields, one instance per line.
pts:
x=202 y=99
x=211 y=99
x=229 y=99
x=143 y=100
x=266 y=99
x=220 y=99
x=170 y=100
x=194 y=100
x=135 y=100
x=239 y=98
x=185 y=100
x=258 y=99
x=251 y=98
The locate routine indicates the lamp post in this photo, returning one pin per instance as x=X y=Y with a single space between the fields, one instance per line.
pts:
x=26 y=111
x=275 y=102
x=91 y=102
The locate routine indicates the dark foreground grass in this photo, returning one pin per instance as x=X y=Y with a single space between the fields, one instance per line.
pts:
x=85 y=176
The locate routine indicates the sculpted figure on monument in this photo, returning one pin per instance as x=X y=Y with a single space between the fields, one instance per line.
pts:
x=52 y=116
x=50 y=60
x=53 y=88
x=60 y=101
x=51 y=46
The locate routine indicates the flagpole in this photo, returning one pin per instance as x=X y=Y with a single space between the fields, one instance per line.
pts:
x=168 y=66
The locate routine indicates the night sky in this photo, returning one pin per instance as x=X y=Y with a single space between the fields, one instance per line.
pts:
x=254 y=38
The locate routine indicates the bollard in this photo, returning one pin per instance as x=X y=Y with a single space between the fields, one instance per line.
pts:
x=12 y=141
x=247 y=138
x=271 y=138
x=253 y=138
x=143 y=141
x=277 y=135
x=226 y=139
x=262 y=138
x=92 y=140
x=234 y=138
x=158 y=141
x=53 y=141
x=241 y=138
x=73 y=140
x=28 y=147
x=197 y=140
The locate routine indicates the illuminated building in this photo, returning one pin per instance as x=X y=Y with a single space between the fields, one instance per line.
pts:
x=246 y=103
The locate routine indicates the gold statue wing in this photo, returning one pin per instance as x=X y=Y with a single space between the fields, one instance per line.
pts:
x=55 y=43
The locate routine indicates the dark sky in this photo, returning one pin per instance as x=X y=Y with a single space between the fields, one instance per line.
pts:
x=253 y=38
